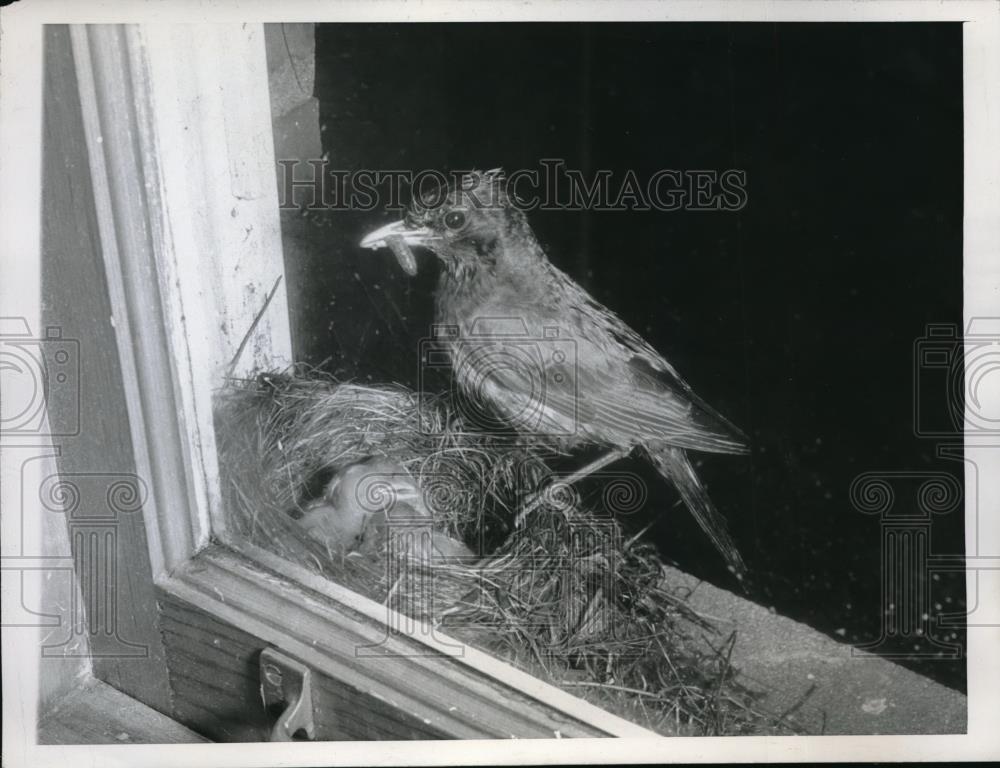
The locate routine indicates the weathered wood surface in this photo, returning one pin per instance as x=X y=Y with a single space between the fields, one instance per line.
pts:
x=182 y=163
x=465 y=659
x=114 y=96
x=214 y=674
x=96 y=713
x=220 y=611
x=97 y=489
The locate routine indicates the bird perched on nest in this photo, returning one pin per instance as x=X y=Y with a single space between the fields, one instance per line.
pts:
x=586 y=378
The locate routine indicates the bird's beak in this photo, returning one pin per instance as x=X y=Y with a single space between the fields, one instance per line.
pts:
x=410 y=235
x=399 y=237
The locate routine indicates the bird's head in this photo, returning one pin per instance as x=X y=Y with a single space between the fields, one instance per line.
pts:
x=470 y=226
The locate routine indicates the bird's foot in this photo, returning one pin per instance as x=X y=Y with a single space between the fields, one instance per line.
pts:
x=558 y=494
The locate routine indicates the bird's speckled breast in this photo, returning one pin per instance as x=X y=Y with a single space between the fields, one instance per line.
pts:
x=513 y=354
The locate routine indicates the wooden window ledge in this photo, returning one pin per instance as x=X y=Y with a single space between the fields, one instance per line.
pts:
x=96 y=713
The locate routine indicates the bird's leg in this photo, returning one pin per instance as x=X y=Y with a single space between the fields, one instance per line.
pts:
x=597 y=464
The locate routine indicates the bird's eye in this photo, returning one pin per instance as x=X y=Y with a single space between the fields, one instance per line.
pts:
x=454 y=220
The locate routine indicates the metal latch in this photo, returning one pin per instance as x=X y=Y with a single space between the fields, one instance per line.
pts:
x=286 y=686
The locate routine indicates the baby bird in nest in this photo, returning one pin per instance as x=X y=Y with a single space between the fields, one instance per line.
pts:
x=368 y=502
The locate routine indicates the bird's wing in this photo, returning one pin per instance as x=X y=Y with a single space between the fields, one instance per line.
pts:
x=624 y=387
x=712 y=431
x=626 y=402
x=594 y=378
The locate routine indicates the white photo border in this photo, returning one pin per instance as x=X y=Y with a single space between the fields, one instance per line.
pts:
x=20 y=161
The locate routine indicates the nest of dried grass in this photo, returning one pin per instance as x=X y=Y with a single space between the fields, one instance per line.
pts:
x=567 y=598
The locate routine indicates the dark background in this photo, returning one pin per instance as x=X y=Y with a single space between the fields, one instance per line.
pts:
x=796 y=317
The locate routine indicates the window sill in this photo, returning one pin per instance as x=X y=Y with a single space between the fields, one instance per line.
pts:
x=96 y=713
x=220 y=609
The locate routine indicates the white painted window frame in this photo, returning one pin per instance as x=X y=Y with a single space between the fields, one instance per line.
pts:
x=178 y=130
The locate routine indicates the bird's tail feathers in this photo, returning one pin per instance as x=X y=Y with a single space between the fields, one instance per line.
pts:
x=674 y=464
